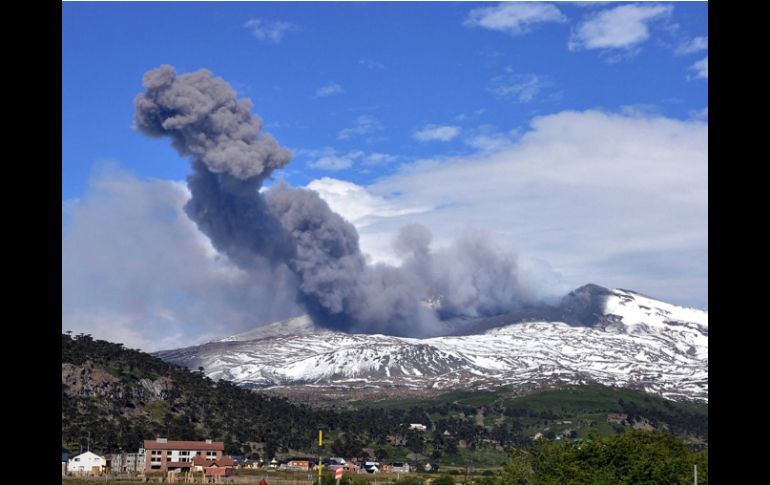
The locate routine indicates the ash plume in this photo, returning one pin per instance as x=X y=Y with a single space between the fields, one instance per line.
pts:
x=201 y=115
x=294 y=228
x=471 y=277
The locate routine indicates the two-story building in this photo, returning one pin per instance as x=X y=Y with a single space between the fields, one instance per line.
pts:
x=164 y=455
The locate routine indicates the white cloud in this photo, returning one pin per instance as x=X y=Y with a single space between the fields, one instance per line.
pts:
x=370 y=64
x=329 y=158
x=328 y=90
x=364 y=125
x=607 y=198
x=514 y=18
x=621 y=27
x=436 y=133
x=375 y=159
x=517 y=87
x=488 y=139
x=357 y=205
x=137 y=270
x=691 y=46
x=701 y=68
x=589 y=4
x=332 y=160
x=270 y=31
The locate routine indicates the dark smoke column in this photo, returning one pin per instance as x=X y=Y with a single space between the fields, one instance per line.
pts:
x=231 y=158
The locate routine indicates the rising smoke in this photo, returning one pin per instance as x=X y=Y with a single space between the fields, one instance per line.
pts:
x=294 y=228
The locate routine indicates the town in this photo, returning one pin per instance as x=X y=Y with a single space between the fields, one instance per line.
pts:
x=192 y=461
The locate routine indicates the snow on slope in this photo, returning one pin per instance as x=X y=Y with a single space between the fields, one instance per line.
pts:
x=639 y=342
x=637 y=309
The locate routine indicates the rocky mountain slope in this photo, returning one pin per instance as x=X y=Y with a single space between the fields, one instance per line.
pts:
x=609 y=336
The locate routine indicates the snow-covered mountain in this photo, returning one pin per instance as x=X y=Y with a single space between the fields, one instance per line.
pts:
x=615 y=337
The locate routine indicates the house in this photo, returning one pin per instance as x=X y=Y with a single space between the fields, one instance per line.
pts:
x=399 y=467
x=86 y=464
x=418 y=426
x=164 y=455
x=224 y=466
x=371 y=466
x=431 y=467
x=273 y=463
x=299 y=464
x=127 y=462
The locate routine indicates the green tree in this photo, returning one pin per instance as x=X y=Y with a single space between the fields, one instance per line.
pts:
x=518 y=470
x=635 y=457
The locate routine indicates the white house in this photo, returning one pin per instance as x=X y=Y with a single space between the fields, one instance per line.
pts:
x=418 y=427
x=86 y=463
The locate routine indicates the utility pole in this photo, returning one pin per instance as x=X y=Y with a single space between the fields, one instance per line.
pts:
x=695 y=472
x=320 y=459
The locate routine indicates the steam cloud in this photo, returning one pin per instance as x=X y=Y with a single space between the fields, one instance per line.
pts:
x=290 y=227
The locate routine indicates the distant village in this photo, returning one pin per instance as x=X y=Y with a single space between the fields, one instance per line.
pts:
x=182 y=461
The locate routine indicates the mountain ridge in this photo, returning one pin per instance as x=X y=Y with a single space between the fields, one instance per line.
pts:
x=611 y=336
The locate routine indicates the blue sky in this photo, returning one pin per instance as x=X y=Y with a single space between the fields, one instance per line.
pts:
x=402 y=66
x=378 y=101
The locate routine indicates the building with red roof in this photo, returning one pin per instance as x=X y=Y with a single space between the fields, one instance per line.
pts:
x=164 y=455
